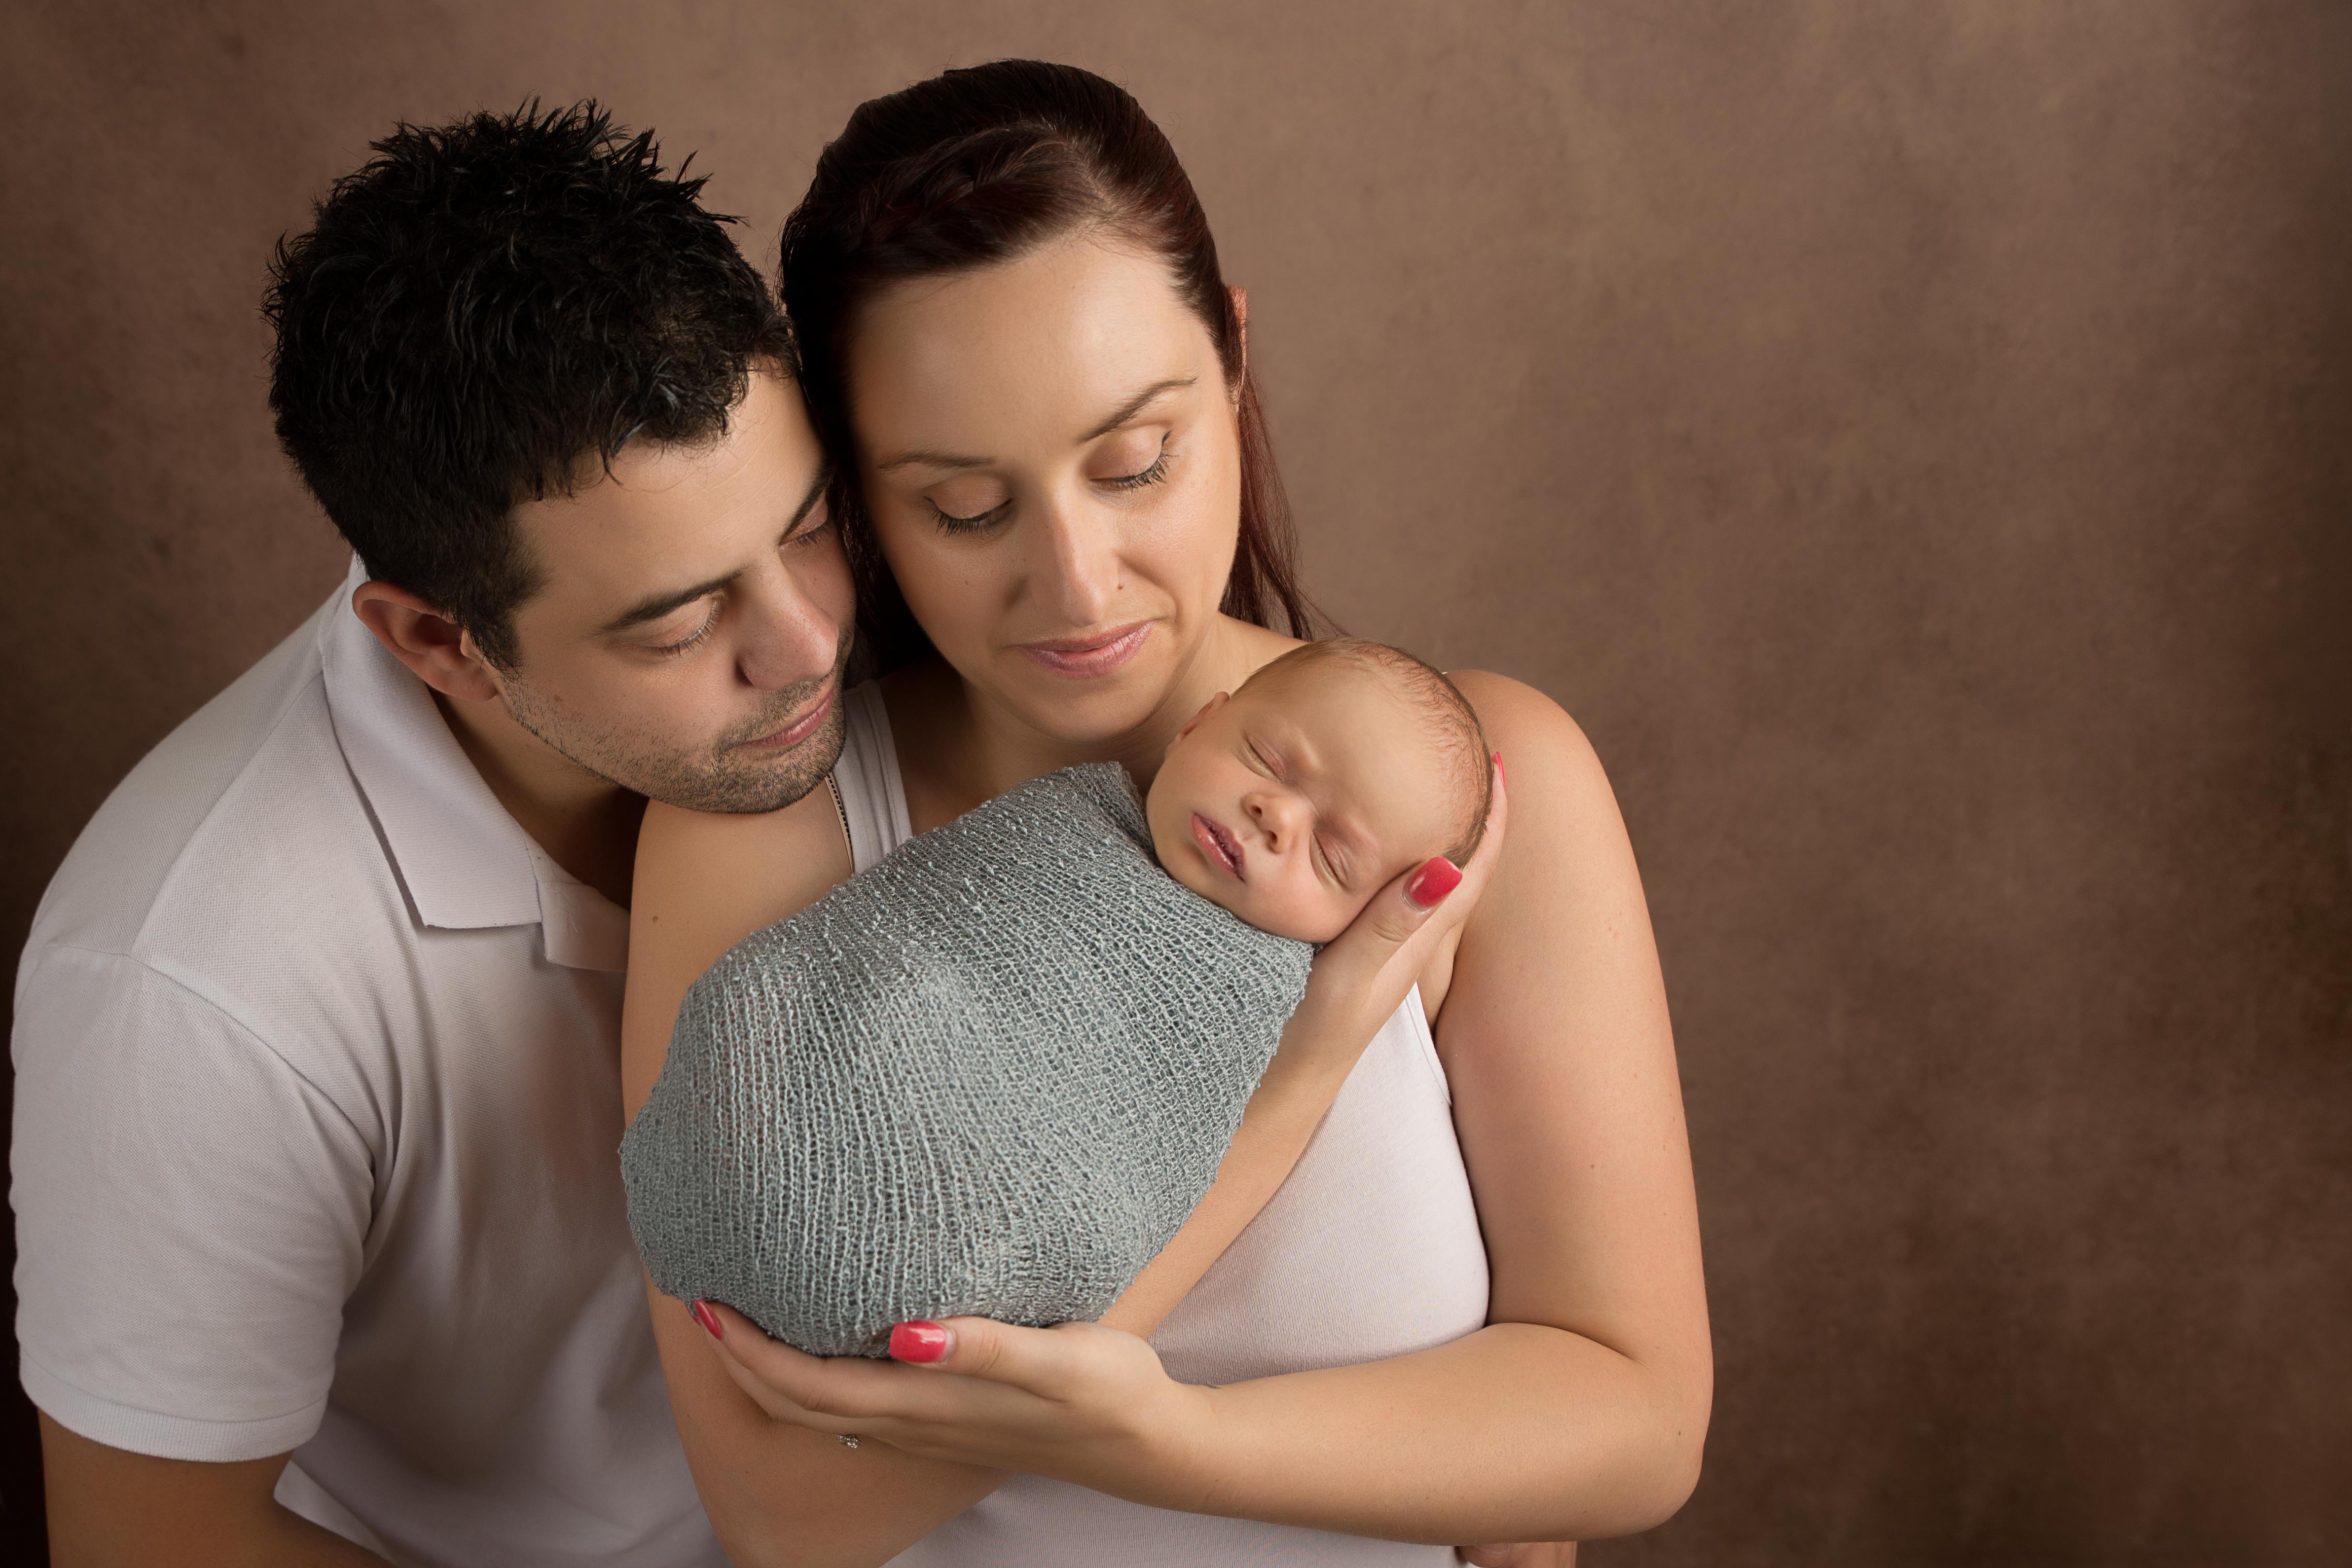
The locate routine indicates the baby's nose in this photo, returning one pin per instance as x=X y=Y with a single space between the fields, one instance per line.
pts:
x=1273 y=818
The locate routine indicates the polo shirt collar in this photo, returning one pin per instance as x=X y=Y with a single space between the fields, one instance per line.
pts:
x=467 y=864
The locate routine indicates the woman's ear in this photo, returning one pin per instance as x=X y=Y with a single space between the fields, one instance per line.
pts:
x=1210 y=706
x=436 y=649
x=1241 y=325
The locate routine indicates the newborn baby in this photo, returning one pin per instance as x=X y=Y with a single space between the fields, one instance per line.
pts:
x=995 y=1073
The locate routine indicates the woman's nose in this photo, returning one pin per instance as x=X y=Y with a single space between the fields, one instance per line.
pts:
x=1079 y=563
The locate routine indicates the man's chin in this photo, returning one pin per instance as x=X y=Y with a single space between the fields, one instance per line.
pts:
x=747 y=783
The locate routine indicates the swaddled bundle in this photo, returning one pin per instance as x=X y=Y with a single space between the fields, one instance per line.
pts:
x=992 y=1075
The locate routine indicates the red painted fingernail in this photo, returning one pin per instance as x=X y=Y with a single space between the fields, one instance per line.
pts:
x=1499 y=768
x=709 y=1320
x=918 y=1341
x=1437 y=876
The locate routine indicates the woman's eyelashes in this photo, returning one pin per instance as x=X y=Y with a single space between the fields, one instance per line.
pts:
x=1153 y=474
x=947 y=515
x=954 y=522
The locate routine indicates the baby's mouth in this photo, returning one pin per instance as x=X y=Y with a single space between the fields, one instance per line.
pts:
x=1223 y=849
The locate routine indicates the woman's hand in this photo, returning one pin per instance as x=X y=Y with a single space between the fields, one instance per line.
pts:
x=1357 y=982
x=1079 y=1402
x=1362 y=976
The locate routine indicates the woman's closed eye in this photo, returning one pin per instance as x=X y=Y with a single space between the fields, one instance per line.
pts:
x=1151 y=474
x=968 y=523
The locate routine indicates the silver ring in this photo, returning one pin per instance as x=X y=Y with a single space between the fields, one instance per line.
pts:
x=844 y=1439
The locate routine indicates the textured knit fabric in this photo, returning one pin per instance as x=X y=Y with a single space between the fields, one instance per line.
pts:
x=992 y=1075
x=1371 y=1249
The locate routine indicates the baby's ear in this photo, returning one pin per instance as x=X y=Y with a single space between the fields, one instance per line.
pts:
x=1210 y=706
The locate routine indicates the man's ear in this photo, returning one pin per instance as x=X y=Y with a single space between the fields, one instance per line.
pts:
x=436 y=648
x=1210 y=706
x=1241 y=323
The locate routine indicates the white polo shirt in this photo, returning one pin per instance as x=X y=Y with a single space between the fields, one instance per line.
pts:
x=318 y=1093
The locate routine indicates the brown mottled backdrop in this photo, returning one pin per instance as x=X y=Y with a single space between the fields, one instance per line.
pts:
x=1916 y=441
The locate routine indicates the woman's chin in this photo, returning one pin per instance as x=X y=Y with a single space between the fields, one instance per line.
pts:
x=1088 y=712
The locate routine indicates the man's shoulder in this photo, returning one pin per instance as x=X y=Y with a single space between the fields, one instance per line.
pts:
x=244 y=819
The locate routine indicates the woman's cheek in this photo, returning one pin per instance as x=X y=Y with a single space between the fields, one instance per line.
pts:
x=938 y=588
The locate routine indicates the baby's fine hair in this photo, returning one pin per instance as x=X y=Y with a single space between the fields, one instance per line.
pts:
x=1454 y=724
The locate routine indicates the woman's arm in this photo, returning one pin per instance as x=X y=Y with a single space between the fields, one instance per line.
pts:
x=1580 y=1411
x=773 y=1493
x=774 y=1489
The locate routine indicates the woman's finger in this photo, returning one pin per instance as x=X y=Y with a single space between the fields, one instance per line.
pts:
x=1490 y=846
x=793 y=1385
x=1047 y=1363
x=1412 y=904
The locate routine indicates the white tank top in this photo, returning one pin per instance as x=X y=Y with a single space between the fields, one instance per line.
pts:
x=1370 y=1249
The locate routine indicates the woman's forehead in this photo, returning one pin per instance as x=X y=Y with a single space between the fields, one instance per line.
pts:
x=1046 y=344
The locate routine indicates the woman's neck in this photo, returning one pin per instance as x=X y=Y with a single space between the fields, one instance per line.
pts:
x=957 y=747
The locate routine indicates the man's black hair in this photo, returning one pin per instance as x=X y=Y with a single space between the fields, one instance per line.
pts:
x=481 y=313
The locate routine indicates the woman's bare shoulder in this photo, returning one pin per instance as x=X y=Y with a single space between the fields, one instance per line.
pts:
x=705 y=880
x=1567 y=881
x=765 y=865
x=1560 y=795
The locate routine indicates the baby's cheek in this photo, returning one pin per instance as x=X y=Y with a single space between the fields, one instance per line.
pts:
x=1310 y=915
x=1340 y=913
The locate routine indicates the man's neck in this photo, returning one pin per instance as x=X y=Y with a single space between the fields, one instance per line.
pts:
x=587 y=824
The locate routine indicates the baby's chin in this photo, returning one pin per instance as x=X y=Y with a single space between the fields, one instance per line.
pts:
x=1317 y=928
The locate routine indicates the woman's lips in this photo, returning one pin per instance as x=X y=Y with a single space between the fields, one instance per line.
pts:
x=1223 y=849
x=1096 y=653
x=793 y=734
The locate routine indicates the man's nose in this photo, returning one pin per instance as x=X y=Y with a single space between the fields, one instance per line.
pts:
x=787 y=640
x=1078 y=563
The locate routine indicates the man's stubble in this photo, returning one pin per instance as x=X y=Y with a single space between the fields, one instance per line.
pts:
x=722 y=777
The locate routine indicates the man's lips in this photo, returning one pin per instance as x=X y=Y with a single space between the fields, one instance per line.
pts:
x=1094 y=653
x=793 y=734
x=1223 y=849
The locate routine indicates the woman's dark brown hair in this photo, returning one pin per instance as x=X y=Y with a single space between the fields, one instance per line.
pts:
x=978 y=166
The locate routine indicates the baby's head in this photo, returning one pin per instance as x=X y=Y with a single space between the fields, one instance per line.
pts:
x=1332 y=771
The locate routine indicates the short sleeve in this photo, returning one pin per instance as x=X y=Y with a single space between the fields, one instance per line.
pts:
x=191 y=1215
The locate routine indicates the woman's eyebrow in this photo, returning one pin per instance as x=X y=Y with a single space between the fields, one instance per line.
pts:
x=1127 y=411
x=931 y=460
x=1136 y=405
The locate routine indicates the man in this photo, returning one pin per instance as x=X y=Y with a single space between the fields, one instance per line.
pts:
x=323 y=1250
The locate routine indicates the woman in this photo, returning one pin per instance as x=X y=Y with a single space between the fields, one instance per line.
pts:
x=1068 y=536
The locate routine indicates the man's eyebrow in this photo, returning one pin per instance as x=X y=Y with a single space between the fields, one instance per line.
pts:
x=1127 y=411
x=655 y=609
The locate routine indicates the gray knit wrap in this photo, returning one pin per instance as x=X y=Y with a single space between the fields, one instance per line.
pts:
x=993 y=1074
